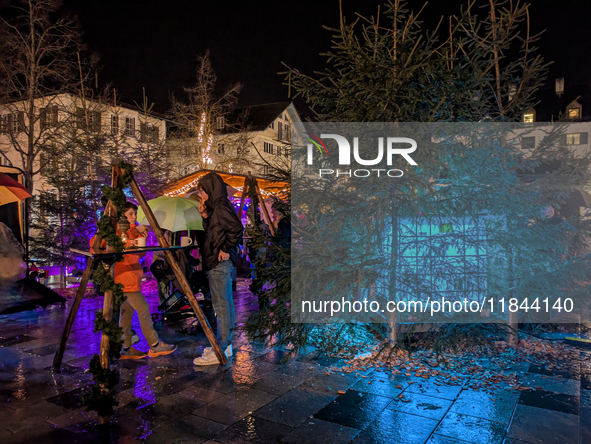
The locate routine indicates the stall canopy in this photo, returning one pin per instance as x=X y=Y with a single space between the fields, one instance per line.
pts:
x=267 y=187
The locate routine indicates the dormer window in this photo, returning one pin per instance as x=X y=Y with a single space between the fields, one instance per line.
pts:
x=574 y=113
x=574 y=110
x=529 y=116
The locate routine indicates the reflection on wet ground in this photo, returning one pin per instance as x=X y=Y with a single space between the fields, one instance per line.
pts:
x=256 y=399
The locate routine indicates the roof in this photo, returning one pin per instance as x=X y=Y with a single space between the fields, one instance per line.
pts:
x=268 y=187
x=261 y=116
x=552 y=105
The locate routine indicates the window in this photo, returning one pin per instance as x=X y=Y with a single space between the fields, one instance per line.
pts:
x=94 y=121
x=220 y=123
x=4 y=124
x=149 y=133
x=576 y=139
x=114 y=124
x=130 y=126
x=278 y=150
x=279 y=130
x=272 y=126
x=528 y=143
x=153 y=134
x=221 y=149
x=574 y=113
x=268 y=148
x=267 y=169
x=528 y=118
x=48 y=117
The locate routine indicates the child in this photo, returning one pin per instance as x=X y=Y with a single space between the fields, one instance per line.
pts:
x=129 y=273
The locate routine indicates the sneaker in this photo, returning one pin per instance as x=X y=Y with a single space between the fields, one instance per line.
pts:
x=132 y=353
x=210 y=350
x=161 y=349
x=207 y=358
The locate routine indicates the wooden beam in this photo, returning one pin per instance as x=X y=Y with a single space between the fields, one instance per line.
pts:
x=243 y=198
x=185 y=287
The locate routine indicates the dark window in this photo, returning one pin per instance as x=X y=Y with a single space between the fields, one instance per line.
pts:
x=268 y=148
x=528 y=143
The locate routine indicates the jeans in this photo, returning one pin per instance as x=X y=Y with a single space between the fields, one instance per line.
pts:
x=137 y=302
x=220 y=286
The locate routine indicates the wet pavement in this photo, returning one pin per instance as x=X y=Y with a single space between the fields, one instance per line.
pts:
x=255 y=399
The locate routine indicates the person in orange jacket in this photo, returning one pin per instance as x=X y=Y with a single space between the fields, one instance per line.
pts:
x=129 y=273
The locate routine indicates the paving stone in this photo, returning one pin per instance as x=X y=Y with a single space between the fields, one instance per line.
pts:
x=29 y=416
x=253 y=430
x=276 y=357
x=320 y=432
x=77 y=421
x=321 y=382
x=430 y=388
x=297 y=368
x=541 y=370
x=277 y=383
x=190 y=429
x=497 y=407
x=422 y=405
x=70 y=400
x=552 y=384
x=585 y=416
x=396 y=427
x=200 y=394
x=439 y=439
x=379 y=384
x=322 y=359
x=471 y=429
x=253 y=367
x=46 y=433
x=228 y=409
x=541 y=426
x=176 y=405
x=353 y=409
x=294 y=407
x=227 y=381
x=26 y=394
x=550 y=401
x=12 y=340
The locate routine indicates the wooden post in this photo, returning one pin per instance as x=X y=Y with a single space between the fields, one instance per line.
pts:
x=108 y=315
x=263 y=206
x=110 y=210
x=243 y=198
x=185 y=287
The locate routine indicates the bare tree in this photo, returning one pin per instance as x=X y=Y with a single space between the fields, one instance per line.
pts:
x=208 y=134
x=40 y=56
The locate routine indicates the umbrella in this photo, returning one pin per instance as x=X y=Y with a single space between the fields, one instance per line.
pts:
x=174 y=214
x=11 y=190
x=579 y=198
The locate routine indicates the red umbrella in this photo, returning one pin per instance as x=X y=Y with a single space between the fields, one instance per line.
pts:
x=11 y=190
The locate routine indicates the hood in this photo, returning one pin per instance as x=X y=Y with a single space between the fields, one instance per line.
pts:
x=215 y=188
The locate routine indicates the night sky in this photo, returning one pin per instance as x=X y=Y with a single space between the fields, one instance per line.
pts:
x=154 y=44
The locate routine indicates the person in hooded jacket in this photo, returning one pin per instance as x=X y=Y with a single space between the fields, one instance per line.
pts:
x=223 y=234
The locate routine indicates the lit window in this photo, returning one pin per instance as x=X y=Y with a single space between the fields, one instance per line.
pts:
x=528 y=118
x=573 y=139
x=574 y=113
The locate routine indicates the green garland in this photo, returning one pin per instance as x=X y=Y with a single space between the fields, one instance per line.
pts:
x=101 y=398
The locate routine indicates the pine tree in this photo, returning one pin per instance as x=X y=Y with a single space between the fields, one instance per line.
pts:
x=394 y=70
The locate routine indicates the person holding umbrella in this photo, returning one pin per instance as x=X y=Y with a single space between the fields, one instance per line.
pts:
x=223 y=234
